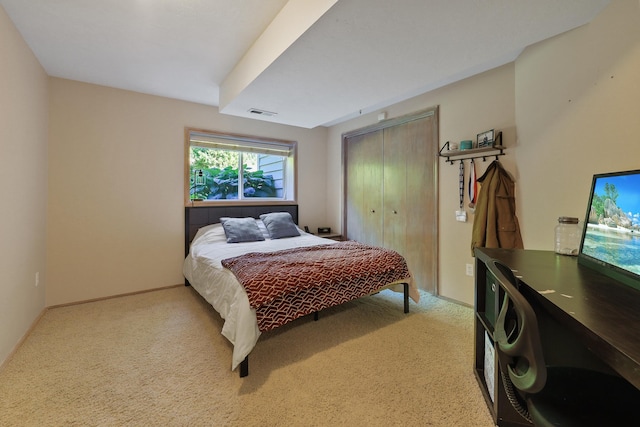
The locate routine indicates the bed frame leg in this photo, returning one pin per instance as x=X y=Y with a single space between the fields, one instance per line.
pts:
x=406 y=297
x=244 y=367
x=316 y=315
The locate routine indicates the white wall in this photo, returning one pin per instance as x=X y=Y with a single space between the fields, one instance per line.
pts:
x=577 y=114
x=116 y=207
x=23 y=186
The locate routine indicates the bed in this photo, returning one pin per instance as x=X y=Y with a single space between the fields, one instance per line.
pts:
x=250 y=301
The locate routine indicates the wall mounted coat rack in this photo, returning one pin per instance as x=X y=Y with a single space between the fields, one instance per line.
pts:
x=497 y=149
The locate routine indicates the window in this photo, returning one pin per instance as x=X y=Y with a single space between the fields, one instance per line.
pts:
x=222 y=167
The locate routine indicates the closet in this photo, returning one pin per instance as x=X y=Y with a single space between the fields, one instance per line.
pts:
x=391 y=190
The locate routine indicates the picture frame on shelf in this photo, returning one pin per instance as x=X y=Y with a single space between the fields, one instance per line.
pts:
x=486 y=139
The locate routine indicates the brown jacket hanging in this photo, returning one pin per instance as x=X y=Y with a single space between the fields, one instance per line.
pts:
x=495 y=224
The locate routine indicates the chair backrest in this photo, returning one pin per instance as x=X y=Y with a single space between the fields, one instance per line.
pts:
x=516 y=334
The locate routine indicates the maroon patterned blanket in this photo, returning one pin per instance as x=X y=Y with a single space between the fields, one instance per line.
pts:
x=291 y=283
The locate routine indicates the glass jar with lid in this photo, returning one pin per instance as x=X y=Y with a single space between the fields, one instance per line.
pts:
x=568 y=233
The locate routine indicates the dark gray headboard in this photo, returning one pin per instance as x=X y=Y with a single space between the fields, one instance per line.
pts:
x=199 y=216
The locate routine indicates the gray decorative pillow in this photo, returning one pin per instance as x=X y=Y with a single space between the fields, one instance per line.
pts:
x=240 y=230
x=279 y=225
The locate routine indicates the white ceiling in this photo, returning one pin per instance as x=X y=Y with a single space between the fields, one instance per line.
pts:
x=313 y=62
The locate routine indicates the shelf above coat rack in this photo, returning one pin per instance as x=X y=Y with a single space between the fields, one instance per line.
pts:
x=474 y=153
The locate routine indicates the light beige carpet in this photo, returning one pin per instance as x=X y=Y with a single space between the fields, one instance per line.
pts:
x=158 y=359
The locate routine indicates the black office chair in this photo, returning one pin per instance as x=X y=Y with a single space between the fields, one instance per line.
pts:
x=552 y=396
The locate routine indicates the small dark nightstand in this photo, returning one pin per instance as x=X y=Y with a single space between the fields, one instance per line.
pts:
x=332 y=236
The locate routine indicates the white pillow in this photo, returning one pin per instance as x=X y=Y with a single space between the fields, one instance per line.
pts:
x=210 y=233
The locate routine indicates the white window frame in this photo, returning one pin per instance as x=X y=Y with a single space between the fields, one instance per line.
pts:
x=242 y=143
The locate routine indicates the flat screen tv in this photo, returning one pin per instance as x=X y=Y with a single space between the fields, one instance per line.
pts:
x=611 y=234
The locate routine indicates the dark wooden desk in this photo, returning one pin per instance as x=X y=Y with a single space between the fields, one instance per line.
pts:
x=582 y=307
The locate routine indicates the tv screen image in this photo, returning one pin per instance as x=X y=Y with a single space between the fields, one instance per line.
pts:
x=611 y=233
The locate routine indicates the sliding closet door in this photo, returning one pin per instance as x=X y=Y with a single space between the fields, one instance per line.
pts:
x=410 y=197
x=391 y=190
x=396 y=154
x=364 y=188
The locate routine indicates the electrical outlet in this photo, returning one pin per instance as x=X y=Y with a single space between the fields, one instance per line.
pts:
x=469 y=269
x=37 y=278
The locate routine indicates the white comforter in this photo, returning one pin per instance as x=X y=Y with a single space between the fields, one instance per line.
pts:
x=220 y=288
